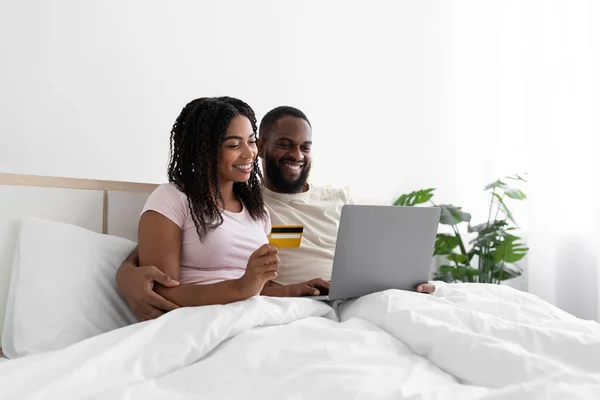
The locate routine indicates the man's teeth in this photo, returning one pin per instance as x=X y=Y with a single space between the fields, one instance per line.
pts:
x=247 y=166
x=293 y=166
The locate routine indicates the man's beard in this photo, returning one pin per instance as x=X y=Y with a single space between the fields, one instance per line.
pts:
x=280 y=183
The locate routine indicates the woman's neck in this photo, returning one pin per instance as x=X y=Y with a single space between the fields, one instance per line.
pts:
x=226 y=190
x=230 y=200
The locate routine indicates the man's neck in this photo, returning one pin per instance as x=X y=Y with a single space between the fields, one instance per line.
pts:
x=272 y=188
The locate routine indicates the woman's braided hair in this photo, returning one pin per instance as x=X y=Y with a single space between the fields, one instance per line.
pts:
x=196 y=139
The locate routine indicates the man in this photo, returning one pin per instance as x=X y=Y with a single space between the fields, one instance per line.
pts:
x=284 y=145
x=285 y=141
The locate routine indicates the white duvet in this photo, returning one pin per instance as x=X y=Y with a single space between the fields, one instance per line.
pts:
x=469 y=341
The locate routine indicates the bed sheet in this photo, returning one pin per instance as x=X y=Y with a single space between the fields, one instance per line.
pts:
x=466 y=342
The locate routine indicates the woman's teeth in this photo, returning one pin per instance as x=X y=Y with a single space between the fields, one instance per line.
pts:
x=244 y=167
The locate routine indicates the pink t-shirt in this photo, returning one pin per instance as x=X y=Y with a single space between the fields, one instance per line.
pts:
x=224 y=252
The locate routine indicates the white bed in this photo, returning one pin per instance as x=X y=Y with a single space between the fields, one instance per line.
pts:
x=466 y=342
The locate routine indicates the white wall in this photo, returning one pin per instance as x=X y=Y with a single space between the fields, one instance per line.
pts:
x=401 y=94
x=91 y=89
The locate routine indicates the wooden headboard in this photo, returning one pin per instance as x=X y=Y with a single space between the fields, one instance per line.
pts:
x=108 y=207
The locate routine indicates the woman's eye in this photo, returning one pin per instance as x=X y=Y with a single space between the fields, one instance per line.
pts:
x=233 y=146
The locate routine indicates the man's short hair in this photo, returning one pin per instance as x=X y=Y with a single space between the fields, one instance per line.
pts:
x=271 y=118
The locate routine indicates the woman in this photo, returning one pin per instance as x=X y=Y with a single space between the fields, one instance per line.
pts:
x=208 y=227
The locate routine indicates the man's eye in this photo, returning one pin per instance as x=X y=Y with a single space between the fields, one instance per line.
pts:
x=306 y=149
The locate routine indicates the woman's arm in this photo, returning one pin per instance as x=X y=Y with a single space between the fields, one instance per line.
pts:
x=160 y=245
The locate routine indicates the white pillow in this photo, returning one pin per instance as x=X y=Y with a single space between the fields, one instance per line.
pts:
x=63 y=287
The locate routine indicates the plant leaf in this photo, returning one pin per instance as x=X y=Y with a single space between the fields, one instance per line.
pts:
x=514 y=193
x=487 y=235
x=462 y=271
x=452 y=215
x=507 y=272
x=472 y=253
x=444 y=273
x=504 y=208
x=485 y=227
x=449 y=273
x=498 y=184
x=516 y=177
x=401 y=201
x=446 y=268
x=415 y=197
x=458 y=258
x=444 y=244
x=517 y=254
x=510 y=250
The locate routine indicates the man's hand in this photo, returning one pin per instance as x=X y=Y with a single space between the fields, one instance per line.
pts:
x=427 y=288
x=314 y=287
x=136 y=284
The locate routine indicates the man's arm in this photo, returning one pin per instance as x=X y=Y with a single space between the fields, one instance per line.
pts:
x=427 y=288
x=133 y=258
x=136 y=285
x=308 y=288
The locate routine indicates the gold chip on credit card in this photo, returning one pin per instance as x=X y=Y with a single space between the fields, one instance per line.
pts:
x=286 y=236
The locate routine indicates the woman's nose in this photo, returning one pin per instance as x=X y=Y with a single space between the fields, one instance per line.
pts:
x=248 y=153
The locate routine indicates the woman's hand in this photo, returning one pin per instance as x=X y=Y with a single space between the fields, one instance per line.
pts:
x=263 y=266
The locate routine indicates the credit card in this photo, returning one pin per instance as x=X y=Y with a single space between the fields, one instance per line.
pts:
x=286 y=236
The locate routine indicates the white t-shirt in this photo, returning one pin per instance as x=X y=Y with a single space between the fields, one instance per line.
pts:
x=318 y=210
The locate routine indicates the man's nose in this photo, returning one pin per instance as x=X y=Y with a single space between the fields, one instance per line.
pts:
x=296 y=153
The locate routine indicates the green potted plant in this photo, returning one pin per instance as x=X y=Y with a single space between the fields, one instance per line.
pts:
x=493 y=248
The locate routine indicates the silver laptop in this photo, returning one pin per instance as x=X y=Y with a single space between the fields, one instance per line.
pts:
x=380 y=248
